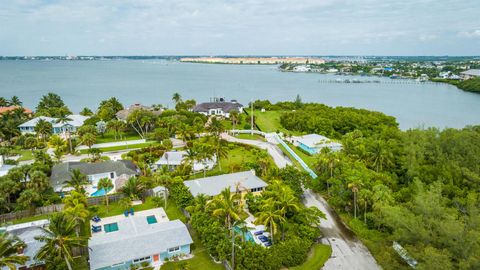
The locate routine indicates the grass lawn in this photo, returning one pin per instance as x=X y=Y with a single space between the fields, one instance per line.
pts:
x=316 y=259
x=200 y=261
x=269 y=121
x=250 y=137
x=109 y=136
x=25 y=154
x=122 y=147
x=310 y=160
x=115 y=208
x=30 y=219
x=295 y=162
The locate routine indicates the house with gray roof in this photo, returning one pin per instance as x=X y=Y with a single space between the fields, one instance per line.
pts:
x=147 y=236
x=314 y=143
x=71 y=126
x=173 y=159
x=118 y=171
x=219 y=107
x=123 y=114
x=470 y=74
x=27 y=233
x=242 y=182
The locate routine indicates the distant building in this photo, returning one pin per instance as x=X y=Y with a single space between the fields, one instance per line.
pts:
x=313 y=143
x=242 y=182
x=123 y=114
x=173 y=159
x=118 y=171
x=57 y=128
x=9 y=109
x=146 y=237
x=470 y=74
x=218 y=107
x=27 y=233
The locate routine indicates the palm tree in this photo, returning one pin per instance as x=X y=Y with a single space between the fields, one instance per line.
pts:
x=77 y=181
x=76 y=209
x=59 y=239
x=15 y=101
x=43 y=128
x=221 y=151
x=226 y=205
x=176 y=98
x=380 y=155
x=133 y=188
x=9 y=247
x=89 y=139
x=234 y=117
x=63 y=119
x=116 y=126
x=105 y=184
x=270 y=217
x=328 y=161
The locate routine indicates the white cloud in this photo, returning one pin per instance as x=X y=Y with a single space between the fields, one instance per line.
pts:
x=470 y=34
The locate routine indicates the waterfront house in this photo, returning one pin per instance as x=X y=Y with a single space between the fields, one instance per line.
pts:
x=173 y=159
x=313 y=143
x=218 y=107
x=123 y=114
x=27 y=233
x=145 y=237
x=9 y=109
x=71 y=126
x=241 y=182
x=470 y=74
x=118 y=171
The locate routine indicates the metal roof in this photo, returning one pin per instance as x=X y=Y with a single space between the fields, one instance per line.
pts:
x=134 y=239
x=472 y=72
x=214 y=185
x=76 y=121
x=224 y=105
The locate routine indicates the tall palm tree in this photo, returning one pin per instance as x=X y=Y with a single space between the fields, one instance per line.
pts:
x=77 y=181
x=43 y=128
x=15 y=101
x=64 y=119
x=116 y=126
x=105 y=184
x=76 y=209
x=9 y=247
x=221 y=151
x=133 y=188
x=89 y=139
x=226 y=205
x=59 y=239
x=270 y=218
x=176 y=97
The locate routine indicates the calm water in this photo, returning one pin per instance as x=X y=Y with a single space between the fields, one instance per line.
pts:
x=86 y=83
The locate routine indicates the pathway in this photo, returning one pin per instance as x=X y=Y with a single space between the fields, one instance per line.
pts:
x=112 y=144
x=348 y=251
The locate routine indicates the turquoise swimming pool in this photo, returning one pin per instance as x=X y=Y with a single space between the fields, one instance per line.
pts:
x=248 y=235
x=99 y=192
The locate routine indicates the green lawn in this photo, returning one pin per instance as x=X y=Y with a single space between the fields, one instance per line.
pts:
x=250 y=137
x=25 y=154
x=110 y=137
x=268 y=121
x=310 y=160
x=30 y=219
x=316 y=259
x=122 y=147
x=115 y=208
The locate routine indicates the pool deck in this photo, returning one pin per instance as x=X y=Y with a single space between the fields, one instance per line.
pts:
x=159 y=214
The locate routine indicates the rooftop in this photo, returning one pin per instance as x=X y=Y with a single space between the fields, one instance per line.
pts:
x=172 y=158
x=135 y=238
x=123 y=114
x=315 y=140
x=214 y=185
x=472 y=72
x=76 y=121
x=226 y=106
x=12 y=108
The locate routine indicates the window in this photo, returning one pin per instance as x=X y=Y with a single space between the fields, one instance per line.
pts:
x=256 y=189
x=174 y=249
x=139 y=260
x=112 y=175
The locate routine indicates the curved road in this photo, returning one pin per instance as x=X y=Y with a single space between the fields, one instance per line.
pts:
x=349 y=253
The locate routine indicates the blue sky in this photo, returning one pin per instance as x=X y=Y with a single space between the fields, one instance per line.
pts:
x=239 y=27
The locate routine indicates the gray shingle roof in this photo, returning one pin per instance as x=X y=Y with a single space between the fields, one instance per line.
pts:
x=214 y=185
x=134 y=239
x=225 y=106
x=62 y=172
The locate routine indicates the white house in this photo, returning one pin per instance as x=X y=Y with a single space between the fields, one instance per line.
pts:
x=118 y=171
x=470 y=74
x=218 y=107
x=313 y=143
x=57 y=128
x=173 y=159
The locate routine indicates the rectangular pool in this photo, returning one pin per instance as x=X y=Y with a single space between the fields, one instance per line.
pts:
x=151 y=219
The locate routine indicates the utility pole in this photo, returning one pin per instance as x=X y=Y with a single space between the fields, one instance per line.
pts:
x=251 y=117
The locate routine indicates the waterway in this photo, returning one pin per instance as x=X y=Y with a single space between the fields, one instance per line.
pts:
x=86 y=83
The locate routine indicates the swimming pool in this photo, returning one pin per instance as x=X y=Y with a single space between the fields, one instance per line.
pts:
x=99 y=192
x=248 y=235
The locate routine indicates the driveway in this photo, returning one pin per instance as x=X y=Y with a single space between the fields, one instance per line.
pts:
x=348 y=251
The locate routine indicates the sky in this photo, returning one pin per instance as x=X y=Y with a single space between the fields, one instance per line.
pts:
x=240 y=27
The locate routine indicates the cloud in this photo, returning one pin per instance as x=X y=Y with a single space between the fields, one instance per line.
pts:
x=237 y=27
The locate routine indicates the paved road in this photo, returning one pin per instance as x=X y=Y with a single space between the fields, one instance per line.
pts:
x=112 y=144
x=278 y=157
x=348 y=252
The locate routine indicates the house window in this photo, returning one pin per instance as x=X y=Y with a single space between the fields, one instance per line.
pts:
x=174 y=249
x=256 y=189
x=139 y=260
x=112 y=175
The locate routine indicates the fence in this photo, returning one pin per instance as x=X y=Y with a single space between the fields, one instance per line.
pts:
x=294 y=155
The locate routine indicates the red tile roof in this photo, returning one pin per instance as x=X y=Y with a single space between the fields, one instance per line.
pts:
x=11 y=108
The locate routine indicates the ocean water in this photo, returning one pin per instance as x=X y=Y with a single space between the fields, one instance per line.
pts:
x=86 y=83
